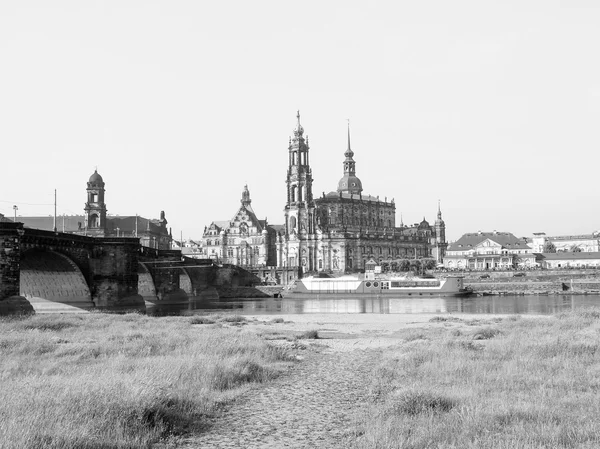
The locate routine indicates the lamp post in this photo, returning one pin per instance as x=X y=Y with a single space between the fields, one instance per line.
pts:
x=15 y=208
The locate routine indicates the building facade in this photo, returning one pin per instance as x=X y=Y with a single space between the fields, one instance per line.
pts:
x=244 y=240
x=489 y=251
x=566 y=243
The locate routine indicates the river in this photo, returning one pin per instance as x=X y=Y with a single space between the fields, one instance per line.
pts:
x=524 y=304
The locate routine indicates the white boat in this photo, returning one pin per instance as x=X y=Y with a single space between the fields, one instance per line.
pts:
x=394 y=286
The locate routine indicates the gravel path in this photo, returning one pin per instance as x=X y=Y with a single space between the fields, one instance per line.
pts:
x=311 y=406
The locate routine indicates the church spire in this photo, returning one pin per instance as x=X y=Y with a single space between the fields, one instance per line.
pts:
x=349 y=183
x=299 y=131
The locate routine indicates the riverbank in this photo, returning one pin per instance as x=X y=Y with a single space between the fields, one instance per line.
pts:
x=312 y=380
x=534 y=282
x=94 y=380
x=376 y=381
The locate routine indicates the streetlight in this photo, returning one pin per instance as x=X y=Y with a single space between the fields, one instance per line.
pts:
x=15 y=208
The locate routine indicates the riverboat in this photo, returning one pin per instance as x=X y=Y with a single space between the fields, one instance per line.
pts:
x=404 y=286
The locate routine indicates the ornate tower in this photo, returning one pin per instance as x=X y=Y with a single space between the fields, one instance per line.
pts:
x=300 y=206
x=349 y=183
x=440 y=236
x=95 y=208
x=246 y=197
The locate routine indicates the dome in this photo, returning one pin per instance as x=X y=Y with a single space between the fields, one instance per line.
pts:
x=96 y=178
x=350 y=184
x=424 y=224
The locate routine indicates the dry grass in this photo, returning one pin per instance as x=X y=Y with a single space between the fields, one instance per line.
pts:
x=108 y=381
x=529 y=383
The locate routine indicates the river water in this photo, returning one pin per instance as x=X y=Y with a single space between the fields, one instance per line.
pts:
x=527 y=304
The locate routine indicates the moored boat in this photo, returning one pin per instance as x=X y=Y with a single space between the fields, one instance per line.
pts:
x=393 y=286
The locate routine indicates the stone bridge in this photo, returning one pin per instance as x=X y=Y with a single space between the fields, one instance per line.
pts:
x=58 y=272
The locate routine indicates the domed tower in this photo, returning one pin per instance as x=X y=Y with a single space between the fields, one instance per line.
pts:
x=95 y=208
x=350 y=182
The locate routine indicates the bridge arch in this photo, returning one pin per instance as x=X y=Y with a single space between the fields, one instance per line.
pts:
x=52 y=282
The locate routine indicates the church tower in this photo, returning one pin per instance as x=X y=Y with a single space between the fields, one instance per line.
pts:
x=300 y=206
x=95 y=208
x=349 y=183
x=440 y=236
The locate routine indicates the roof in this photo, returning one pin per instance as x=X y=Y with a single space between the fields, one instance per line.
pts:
x=64 y=223
x=127 y=225
x=74 y=223
x=277 y=228
x=350 y=196
x=570 y=256
x=574 y=237
x=504 y=239
x=96 y=178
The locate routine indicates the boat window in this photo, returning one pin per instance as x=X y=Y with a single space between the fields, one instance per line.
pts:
x=368 y=284
x=375 y=284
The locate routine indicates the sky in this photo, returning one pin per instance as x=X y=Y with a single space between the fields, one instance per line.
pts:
x=490 y=107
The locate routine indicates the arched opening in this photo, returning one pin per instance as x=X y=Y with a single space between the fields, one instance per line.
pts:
x=53 y=283
x=94 y=221
x=293 y=194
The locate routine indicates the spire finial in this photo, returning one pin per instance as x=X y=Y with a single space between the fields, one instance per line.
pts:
x=439 y=214
x=348 y=134
x=299 y=130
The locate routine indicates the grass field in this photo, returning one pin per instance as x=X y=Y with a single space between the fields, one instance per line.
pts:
x=121 y=381
x=511 y=383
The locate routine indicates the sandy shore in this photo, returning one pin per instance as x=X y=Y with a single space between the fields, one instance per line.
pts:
x=346 y=332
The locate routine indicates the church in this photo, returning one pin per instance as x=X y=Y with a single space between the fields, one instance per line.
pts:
x=343 y=229
x=337 y=232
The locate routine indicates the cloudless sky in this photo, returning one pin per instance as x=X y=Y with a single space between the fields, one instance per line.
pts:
x=492 y=107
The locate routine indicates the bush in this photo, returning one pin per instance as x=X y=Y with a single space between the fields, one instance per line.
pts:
x=309 y=335
x=201 y=320
x=417 y=402
x=486 y=333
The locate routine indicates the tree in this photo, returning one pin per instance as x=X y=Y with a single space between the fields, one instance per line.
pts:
x=415 y=264
x=549 y=247
x=403 y=264
x=428 y=263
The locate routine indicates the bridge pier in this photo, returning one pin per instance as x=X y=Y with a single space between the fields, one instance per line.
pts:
x=11 y=302
x=114 y=274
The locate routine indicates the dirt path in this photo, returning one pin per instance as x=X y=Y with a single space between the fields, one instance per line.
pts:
x=312 y=406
